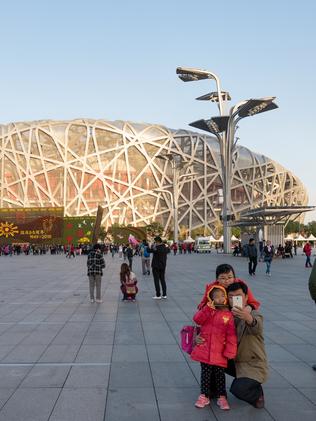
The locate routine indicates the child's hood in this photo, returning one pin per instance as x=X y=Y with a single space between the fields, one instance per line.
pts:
x=217 y=287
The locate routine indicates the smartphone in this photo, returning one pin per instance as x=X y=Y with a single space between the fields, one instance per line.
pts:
x=237 y=301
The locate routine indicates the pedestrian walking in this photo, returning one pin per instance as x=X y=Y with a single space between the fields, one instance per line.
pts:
x=174 y=248
x=71 y=251
x=120 y=251
x=308 y=252
x=112 y=248
x=268 y=254
x=252 y=257
x=145 y=257
x=129 y=254
x=158 y=265
x=95 y=265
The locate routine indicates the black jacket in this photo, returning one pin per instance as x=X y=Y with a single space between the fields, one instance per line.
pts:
x=159 y=260
x=268 y=255
x=252 y=250
x=129 y=253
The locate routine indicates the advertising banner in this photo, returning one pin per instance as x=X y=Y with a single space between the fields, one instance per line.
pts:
x=31 y=225
x=121 y=234
x=78 y=229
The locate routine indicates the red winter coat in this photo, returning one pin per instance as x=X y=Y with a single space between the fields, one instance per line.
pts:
x=307 y=249
x=218 y=331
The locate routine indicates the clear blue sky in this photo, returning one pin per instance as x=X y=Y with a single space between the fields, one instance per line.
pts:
x=116 y=60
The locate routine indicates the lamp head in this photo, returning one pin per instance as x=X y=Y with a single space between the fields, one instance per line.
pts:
x=256 y=106
x=213 y=97
x=191 y=74
x=215 y=125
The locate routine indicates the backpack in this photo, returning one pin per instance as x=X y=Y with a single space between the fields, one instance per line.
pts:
x=146 y=253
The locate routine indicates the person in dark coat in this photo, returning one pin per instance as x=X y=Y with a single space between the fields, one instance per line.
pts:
x=252 y=255
x=312 y=289
x=158 y=264
x=268 y=253
x=130 y=254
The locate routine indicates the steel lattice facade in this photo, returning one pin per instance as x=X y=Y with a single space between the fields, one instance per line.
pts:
x=81 y=164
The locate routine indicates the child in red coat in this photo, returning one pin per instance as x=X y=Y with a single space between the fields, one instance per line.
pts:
x=220 y=344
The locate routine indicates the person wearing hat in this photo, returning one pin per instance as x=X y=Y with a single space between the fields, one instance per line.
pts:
x=158 y=265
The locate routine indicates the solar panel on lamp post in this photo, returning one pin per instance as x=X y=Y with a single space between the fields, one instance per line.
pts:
x=192 y=74
x=224 y=128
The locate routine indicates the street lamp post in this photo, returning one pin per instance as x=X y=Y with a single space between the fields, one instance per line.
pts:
x=176 y=177
x=224 y=128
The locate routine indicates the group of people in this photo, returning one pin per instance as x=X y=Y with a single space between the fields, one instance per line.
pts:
x=182 y=248
x=267 y=254
x=230 y=341
x=231 y=328
x=128 y=280
x=27 y=249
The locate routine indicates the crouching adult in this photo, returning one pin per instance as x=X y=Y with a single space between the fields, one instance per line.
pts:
x=250 y=368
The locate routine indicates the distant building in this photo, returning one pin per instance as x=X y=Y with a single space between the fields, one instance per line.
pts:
x=83 y=163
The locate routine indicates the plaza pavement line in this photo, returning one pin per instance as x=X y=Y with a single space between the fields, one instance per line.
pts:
x=52 y=364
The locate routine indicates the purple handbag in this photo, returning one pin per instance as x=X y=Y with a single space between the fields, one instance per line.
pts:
x=188 y=336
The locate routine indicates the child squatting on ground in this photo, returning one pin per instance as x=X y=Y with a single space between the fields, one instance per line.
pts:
x=128 y=283
x=220 y=344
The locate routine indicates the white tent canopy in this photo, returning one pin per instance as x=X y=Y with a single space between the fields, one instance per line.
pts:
x=234 y=238
x=300 y=238
x=311 y=238
x=189 y=240
x=210 y=239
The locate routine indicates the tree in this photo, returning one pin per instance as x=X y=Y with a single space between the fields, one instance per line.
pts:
x=183 y=232
x=218 y=228
x=236 y=231
x=311 y=228
x=292 y=227
x=197 y=232
x=153 y=229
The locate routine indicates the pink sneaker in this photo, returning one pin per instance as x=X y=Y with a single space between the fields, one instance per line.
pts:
x=202 y=401
x=222 y=403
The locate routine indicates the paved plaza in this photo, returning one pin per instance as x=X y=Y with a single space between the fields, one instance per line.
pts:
x=65 y=359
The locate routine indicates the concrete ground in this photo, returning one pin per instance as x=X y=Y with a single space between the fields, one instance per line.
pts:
x=63 y=358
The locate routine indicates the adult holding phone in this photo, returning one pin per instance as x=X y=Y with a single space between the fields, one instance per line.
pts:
x=250 y=367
